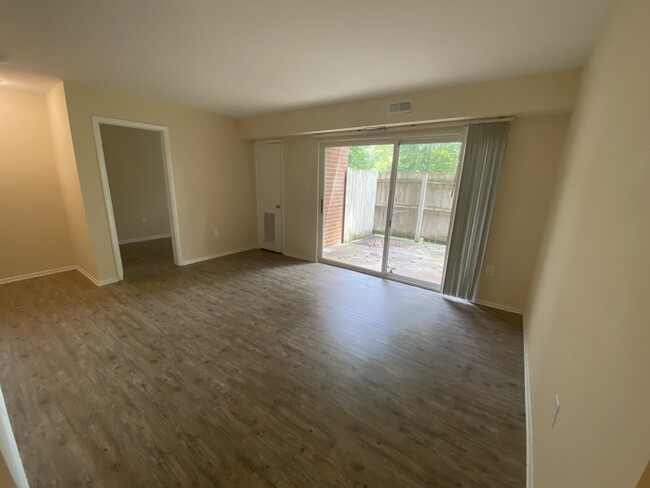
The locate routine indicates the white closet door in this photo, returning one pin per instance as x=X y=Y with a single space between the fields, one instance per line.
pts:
x=268 y=166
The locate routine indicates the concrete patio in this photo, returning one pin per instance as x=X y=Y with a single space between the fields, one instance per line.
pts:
x=422 y=261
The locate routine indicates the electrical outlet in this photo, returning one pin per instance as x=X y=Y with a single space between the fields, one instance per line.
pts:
x=215 y=232
x=489 y=270
x=144 y=220
x=555 y=411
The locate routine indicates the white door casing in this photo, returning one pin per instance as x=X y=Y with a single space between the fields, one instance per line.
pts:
x=97 y=121
x=268 y=172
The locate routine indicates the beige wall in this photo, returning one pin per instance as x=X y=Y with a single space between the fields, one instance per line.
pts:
x=525 y=192
x=542 y=105
x=588 y=330
x=213 y=172
x=6 y=479
x=545 y=93
x=69 y=180
x=526 y=188
x=33 y=234
x=135 y=167
x=300 y=167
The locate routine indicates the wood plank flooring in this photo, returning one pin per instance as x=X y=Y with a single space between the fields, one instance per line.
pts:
x=258 y=370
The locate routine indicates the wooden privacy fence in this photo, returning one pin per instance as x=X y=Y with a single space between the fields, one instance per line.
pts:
x=422 y=209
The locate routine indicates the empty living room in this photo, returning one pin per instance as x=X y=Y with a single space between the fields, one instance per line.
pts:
x=325 y=244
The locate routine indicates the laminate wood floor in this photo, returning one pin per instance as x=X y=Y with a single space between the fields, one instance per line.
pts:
x=258 y=370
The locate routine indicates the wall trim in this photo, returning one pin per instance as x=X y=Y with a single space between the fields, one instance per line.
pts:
x=95 y=281
x=299 y=256
x=217 y=255
x=36 y=274
x=107 y=281
x=529 y=417
x=47 y=272
x=498 y=306
x=142 y=239
x=87 y=275
x=9 y=448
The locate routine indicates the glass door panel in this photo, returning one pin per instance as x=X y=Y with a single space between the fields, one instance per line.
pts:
x=356 y=187
x=425 y=185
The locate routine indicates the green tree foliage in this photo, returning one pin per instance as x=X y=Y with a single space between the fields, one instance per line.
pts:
x=439 y=157
x=378 y=158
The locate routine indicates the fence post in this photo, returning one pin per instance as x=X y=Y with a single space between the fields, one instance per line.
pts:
x=423 y=197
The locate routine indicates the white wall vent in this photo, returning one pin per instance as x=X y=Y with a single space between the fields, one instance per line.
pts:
x=269 y=227
x=403 y=107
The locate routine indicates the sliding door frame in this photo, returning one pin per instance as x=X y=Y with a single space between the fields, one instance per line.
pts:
x=389 y=208
x=321 y=197
x=456 y=134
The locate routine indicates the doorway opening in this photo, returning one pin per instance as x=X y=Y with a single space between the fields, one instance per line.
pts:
x=387 y=207
x=135 y=169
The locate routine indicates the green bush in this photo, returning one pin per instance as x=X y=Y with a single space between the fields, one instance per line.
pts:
x=439 y=157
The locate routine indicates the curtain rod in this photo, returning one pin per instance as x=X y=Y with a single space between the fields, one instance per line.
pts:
x=379 y=129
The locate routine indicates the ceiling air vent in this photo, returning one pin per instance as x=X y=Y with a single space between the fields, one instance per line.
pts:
x=396 y=108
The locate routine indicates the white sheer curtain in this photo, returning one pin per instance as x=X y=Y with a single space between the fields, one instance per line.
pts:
x=484 y=152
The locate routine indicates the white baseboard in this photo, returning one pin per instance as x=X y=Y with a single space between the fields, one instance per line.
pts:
x=95 y=281
x=498 y=306
x=58 y=270
x=218 y=255
x=36 y=274
x=87 y=275
x=529 y=418
x=107 y=281
x=298 y=256
x=142 y=239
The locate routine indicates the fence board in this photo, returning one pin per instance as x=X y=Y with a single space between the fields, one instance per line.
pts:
x=367 y=203
x=436 y=211
x=360 y=200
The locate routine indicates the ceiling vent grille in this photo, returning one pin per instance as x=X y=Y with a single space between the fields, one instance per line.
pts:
x=396 y=108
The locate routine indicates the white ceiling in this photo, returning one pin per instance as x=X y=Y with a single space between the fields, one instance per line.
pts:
x=243 y=57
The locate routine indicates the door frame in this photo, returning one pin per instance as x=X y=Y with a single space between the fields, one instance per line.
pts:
x=443 y=135
x=257 y=190
x=97 y=121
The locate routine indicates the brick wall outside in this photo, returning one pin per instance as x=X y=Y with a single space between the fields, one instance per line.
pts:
x=336 y=166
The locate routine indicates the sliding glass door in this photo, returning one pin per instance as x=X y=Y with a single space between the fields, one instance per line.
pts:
x=353 y=224
x=387 y=208
x=423 y=202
